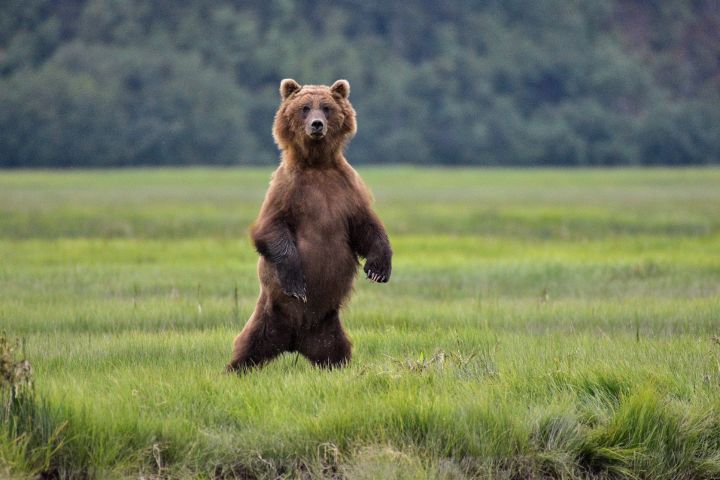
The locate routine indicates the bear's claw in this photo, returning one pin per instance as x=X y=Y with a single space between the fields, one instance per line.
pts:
x=376 y=277
x=299 y=296
x=297 y=293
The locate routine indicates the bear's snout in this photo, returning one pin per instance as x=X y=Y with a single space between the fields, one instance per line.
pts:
x=316 y=127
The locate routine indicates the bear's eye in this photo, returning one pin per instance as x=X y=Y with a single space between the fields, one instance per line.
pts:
x=326 y=110
x=305 y=109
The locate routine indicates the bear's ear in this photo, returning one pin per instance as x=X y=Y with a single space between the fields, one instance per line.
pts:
x=342 y=88
x=287 y=87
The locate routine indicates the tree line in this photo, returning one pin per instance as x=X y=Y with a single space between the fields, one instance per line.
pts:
x=498 y=82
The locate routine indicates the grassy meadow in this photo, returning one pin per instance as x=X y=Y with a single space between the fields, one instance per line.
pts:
x=538 y=324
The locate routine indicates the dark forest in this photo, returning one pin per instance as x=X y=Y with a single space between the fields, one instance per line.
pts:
x=99 y=83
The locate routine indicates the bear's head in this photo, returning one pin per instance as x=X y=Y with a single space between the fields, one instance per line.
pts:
x=314 y=121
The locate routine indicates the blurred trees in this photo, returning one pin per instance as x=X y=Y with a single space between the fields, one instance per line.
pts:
x=130 y=82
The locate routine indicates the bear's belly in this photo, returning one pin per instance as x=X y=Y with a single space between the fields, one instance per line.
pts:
x=329 y=266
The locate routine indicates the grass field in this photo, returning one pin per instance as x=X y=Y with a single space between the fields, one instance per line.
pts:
x=539 y=324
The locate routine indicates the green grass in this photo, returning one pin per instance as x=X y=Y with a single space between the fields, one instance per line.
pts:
x=539 y=323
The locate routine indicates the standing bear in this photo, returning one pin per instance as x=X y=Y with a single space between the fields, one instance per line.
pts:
x=314 y=224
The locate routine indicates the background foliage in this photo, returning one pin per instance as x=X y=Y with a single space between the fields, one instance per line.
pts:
x=116 y=82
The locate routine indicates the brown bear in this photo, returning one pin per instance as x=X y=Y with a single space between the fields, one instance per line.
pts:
x=314 y=224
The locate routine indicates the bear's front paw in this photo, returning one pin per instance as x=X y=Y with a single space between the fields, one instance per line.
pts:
x=294 y=286
x=299 y=292
x=378 y=270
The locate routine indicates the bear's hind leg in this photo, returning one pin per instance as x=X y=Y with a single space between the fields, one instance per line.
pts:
x=259 y=342
x=326 y=345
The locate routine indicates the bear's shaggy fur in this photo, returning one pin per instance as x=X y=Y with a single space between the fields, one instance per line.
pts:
x=314 y=224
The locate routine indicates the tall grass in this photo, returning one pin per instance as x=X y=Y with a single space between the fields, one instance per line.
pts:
x=539 y=324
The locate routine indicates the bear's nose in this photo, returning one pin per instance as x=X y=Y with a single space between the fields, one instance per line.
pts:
x=317 y=125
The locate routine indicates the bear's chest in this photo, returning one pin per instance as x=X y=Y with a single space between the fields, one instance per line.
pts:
x=322 y=203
